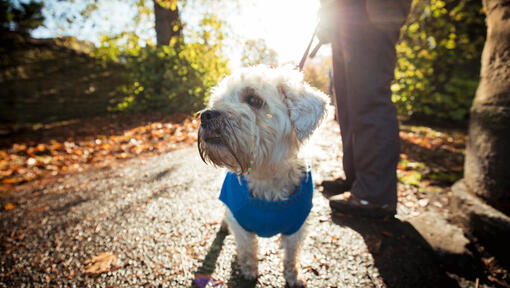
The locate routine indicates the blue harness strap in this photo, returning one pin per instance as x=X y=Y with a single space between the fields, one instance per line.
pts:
x=267 y=218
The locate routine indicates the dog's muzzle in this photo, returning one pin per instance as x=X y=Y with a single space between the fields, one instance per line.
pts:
x=208 y=117
x=209 y=124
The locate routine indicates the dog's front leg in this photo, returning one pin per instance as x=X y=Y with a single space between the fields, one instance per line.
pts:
x=291 y=245
x=246 y=247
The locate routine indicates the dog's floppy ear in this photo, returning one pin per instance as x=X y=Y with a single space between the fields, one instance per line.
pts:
x=307 y=107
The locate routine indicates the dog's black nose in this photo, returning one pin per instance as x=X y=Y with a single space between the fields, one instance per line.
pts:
x=208 y=115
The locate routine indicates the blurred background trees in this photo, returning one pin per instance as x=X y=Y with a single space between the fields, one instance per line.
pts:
x=169 y=64
x=175 y=74
x=21 y=18
x=317 y=72
x=257 y=52
x=169 y=78
x=438 y=62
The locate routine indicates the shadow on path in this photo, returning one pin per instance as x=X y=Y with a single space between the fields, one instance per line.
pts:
x=402 y=256
x=209 y=263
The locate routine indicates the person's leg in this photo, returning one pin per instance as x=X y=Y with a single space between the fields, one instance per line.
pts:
x=368 y=33
x=338 y=186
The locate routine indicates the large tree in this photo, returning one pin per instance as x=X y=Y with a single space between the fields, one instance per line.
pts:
x=168 y=23
x=438 y=58
x=486 y=171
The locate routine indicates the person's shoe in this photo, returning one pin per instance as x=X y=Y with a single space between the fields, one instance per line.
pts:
x=335 y=187
x=350 y=205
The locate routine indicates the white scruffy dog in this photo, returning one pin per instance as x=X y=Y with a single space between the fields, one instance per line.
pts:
x=254 y=125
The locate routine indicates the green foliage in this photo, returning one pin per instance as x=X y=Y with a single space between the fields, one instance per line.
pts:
x=20 y=18
x=410 y=178
x=316 y=74
x=172 y=78
x=438 y=59
x=256 y=52
x=449 y=177
x=410 y=172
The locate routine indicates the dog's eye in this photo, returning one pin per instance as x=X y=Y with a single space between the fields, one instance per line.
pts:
x=254 y=101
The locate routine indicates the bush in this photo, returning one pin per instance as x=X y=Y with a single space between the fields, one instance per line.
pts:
x=438 y=59
x=173 y=78
x=170 y=78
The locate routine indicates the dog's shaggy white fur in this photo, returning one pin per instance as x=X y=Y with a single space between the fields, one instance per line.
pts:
x=256 y=121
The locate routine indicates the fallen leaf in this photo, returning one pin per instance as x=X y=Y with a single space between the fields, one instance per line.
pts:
x=123 y=155
x=423 y=202
x=102 y=263
x=10 y=250
x=31 y=161
x=9 y=206
x=40 y=208
x=19 y=147
x=10 y=180
x=40 y=148
x=70 y=275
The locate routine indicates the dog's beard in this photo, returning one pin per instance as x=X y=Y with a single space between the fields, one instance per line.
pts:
x=219 y=144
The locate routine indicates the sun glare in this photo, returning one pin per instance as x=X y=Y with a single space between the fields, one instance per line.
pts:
x=285 y=25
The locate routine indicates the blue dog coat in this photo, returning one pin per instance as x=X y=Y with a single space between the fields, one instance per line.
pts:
x=267 y=218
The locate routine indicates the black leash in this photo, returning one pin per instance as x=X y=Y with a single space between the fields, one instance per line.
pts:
x=314 y=51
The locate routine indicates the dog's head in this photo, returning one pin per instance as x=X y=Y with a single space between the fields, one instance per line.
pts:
x=258 y=117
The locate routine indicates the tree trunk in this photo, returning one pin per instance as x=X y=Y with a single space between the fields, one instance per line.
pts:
x=487 y=165
x=168 y=22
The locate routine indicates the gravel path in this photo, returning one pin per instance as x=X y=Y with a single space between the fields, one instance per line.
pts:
x=160 y=216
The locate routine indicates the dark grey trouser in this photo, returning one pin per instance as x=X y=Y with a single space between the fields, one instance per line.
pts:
x=364 y=56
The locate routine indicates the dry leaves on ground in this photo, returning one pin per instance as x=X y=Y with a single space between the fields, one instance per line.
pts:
x=102 y=263
x=430 y=156
x=26 y=161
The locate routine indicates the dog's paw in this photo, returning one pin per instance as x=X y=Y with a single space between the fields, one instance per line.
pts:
x=293 y=280
x=249 y=271
x=296 y=282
